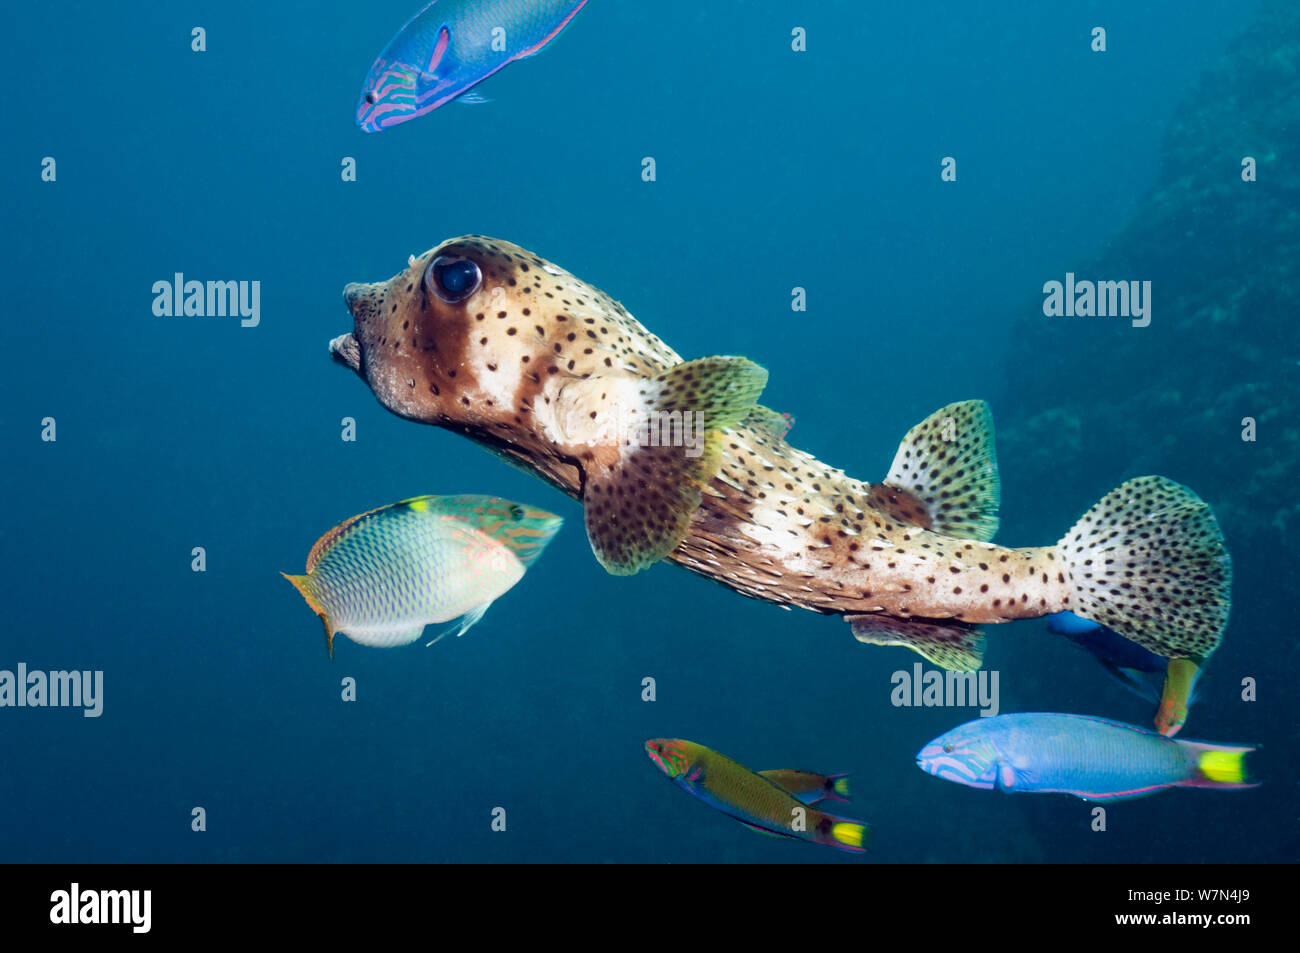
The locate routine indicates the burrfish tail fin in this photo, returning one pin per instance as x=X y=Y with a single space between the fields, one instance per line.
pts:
x=1177 y=695
x=842 y=833
x=945 y=474
x=1149 y=562
x=639 y=508
x=956 y=646
x=1218 y=766
x=306 y=587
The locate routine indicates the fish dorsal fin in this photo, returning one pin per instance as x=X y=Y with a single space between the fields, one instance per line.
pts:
x=770 y=422
x=639 y=508
x=334 y=535
x=956 y=646
x=947 y=469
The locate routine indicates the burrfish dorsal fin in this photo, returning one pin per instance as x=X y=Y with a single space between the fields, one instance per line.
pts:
x=956 y=646
x=639 y=509
x=945 y=474
x=770 y=422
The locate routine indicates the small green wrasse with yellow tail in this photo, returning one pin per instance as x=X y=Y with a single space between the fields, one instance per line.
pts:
x=379 y=578
x=756 y=800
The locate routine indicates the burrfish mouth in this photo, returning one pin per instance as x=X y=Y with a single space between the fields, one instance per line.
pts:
x=346 y=351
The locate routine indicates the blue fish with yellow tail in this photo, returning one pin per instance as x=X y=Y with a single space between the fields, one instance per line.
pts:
x=1092 y=758
x=451 y=46
x=380 y=577
x=1170 y=684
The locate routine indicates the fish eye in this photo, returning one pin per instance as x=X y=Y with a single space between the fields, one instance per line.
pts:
x=947 y=749
x=370 y=98
x=516 y=512
x=453 y=279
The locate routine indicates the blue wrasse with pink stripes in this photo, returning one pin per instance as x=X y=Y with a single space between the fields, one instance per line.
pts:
x=1091 y=758
x=451 y=46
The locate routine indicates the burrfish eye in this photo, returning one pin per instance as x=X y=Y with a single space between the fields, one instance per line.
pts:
x=370 y=97
x=452 y=279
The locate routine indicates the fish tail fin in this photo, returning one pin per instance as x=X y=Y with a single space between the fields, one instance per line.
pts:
x=843 y=833
x=1218 y=766
x=945 y=474
x=837 y=787
x=1177 y=695
x=306 y=587
x=1149 y=562
x=639 y=509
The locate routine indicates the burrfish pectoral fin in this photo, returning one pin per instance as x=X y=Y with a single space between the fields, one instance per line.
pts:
x=467 y=621
x=639 y=508
x=956 y=646
x=945 y=474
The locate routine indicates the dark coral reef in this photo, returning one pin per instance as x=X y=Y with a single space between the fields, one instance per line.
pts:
x=1223 y=345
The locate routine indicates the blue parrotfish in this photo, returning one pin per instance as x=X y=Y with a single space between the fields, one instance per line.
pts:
x=1169 y=684
x=380 y=577
x=495 y=343
x=451 y=46
x=1092 y=758
x=756 y=801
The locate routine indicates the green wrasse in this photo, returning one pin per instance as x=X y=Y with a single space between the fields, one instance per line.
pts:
x=751 y=798
x=379 y=578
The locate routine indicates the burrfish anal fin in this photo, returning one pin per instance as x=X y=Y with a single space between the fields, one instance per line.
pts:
x=639 y=509
x=467 y=621
x=1149 y=561
x=307 y=589
x=945 y=474
x=955 y=646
